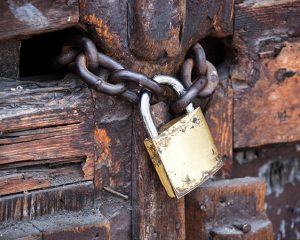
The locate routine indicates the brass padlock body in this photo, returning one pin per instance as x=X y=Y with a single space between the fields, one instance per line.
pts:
x=184 y=154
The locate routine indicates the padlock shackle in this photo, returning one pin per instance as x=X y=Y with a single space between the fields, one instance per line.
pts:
x=145 y=102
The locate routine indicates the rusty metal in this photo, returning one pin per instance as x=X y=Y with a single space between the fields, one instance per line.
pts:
x=96 y=82
x=141 y=79
x=88 y=47
x=130 y=96
x=186 y=72
x=200 y=59
x=178 y=106
x=83 y=58
x=244 y=227
x=212 y=81
x=108 y=63
x=112 y=191
x=65 y=58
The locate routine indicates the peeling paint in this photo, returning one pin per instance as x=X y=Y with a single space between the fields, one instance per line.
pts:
x=103 y=140
x=282 y=230
x=278 y=173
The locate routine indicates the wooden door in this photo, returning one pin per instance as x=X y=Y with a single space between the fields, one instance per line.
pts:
x=72 y=160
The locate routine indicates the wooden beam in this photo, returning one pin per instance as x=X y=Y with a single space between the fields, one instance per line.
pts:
x=112 y=134
x=279 y=164
x=46 y=134
x=219 y=117
x=25 y=18
x=80 y=225
x=217 y=208
x=266 y=77
x=155 y=214
x=135 y=32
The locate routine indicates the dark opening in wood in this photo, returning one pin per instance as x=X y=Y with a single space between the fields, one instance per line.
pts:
x=216 y=50
x=37 y=52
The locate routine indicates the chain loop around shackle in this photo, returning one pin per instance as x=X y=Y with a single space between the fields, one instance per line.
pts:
x=106 y=75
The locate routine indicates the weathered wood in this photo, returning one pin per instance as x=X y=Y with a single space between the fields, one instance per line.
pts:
x=9 y=58
x=19 y=231
x=279 y=165
x=113 y=135
x=213 y=209
x=81 y=225
x=266 y=78
x=161 y=31
x=42 y=202
x=37 y=122
x=118 y=211
x=156 y=215
x=28 y=17
x=22 y=178
x=219 y=117
x=109 y=25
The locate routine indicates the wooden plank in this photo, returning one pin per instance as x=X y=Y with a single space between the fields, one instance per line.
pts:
x=78 y=225
x=113 y=137
x=19 y=231
x=67 y=225
x=260 y=229
x=113 y=133
x=213 y=209
x=279 y=165
x=37 y=122
x=35 y=176
x=135 y=32
x=118 y=211
x=23 y=18
x=266 y=78
x=219 y=117
x=33 y=204
x=155 y=214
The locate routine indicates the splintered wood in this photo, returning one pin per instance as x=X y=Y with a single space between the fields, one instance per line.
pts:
x=46 y=135
x=228 y=209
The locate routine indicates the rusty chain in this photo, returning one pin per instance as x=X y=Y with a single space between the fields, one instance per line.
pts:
x=102 y=73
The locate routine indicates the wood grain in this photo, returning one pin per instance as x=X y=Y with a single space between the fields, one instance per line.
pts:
x=266 y=78
x=28 y=17
x=112 y=134
x=212 y=210
x=154 y=36
x=156 y=215
x=279 y=164
x=46 y=134
x=219 y=117
x=65 y=226
x=30 y=205
x=80 y=225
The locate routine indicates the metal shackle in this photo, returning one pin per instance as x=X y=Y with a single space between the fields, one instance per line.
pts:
x=145 y=102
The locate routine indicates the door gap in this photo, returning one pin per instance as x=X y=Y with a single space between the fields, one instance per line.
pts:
x=38 y=51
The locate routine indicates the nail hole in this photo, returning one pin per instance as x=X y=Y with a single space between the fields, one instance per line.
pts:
x=222 y=199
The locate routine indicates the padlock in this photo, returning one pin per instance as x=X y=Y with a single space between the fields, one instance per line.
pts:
x=183 y=152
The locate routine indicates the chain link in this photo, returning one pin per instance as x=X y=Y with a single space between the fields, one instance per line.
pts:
x=106 y=75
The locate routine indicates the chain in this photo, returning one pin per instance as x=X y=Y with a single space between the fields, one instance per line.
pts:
x=103 y=74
